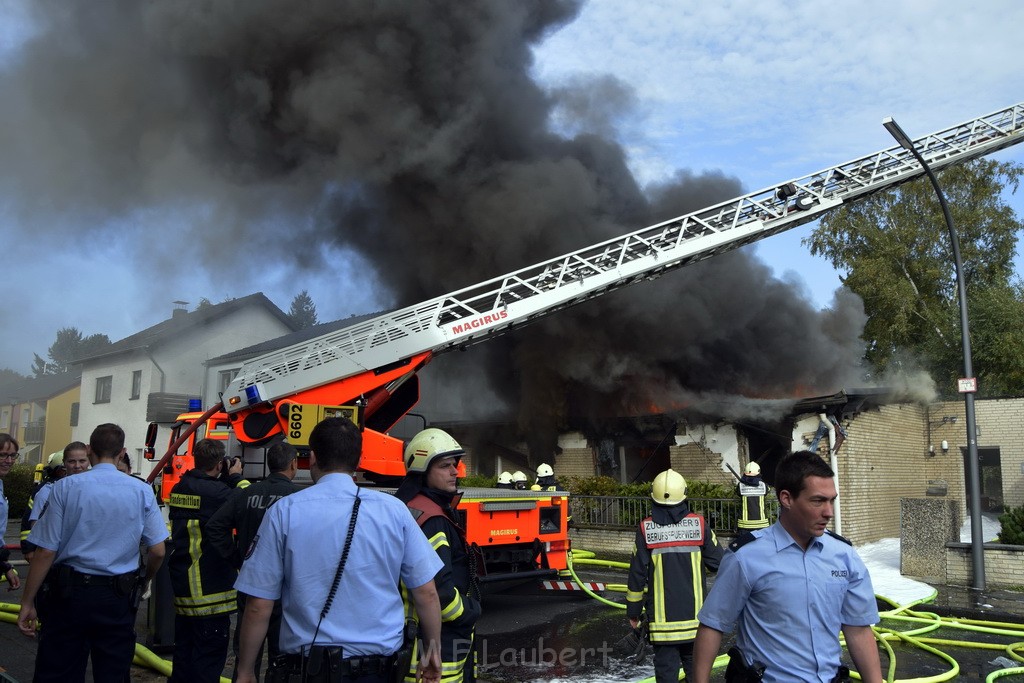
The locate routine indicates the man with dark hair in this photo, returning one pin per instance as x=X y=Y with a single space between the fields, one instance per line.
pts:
x=789 y=589
x=8 y=456
x=200 y=578
x=84 y=577
x=334 y=555
x=244 y=512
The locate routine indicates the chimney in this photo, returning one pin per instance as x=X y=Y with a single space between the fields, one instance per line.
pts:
x=179 y=309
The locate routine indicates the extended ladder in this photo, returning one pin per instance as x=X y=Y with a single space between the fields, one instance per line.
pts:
x=484 y=310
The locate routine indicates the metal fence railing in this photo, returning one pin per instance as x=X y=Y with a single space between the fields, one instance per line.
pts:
x=625 y=512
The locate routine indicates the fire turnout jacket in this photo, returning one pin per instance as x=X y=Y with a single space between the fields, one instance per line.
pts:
x=671 y=551
x=752 y=491
x=455 y=583
x=202 y=580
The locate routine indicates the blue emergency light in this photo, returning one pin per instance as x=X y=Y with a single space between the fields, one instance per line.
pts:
x=195 y=405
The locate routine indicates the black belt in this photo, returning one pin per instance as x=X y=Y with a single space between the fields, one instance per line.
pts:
x=78 y=578
x=350 y=667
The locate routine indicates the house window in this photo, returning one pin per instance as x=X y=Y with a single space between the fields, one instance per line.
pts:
x=74 y=414
x=224 y=378
x=103 y=386
x=136 y=384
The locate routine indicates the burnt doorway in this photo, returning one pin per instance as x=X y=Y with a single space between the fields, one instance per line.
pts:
x=991 y=471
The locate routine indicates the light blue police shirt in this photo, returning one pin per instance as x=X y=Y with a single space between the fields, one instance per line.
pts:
x=3 y=511
x=788 y=604
x=94 y=521
x=294 y=557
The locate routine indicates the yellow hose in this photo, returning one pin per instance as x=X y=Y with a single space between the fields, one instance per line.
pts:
x=920 y=622
x=143 y=655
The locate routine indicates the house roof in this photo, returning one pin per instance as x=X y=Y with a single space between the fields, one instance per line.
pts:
x=174 y=326
x=849 y=401
x=297 y=337
x=39 y=388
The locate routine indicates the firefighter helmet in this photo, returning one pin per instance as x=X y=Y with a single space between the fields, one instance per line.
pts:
x=669 y=488
x=753 y=469
x=518 y=476
x=505 y=478
x=429 y=445
x=545 y=470
x=56 y=460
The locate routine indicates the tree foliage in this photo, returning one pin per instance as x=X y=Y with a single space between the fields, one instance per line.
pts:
x=303 y=311
x=1012 y=526
x=69 y=347
x=893 y=249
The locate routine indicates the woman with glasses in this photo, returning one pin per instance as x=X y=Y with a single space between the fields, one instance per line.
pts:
x=8 y=456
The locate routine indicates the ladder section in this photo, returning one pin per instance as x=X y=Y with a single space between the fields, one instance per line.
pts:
x=481 y=311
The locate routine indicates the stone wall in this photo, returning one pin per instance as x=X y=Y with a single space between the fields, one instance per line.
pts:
x=699 y=463
x=606 y=544
x=926 y=525
x=1004 y=565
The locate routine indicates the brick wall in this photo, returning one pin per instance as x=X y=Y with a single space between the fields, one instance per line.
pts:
x=999 y=424
x=883 y=459
x=698 y=463
x=1004 y=565
x=605 y=543
x=575 y=462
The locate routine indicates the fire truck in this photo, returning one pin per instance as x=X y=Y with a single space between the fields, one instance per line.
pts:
x=368 y=370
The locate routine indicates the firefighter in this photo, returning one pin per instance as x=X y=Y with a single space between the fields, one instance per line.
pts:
x=545 y=479
x=202 y=580
x=752 y=491
x=504 y=481
x=519 y=481
x=673 y=547
x=430 y=490
x=53 y=471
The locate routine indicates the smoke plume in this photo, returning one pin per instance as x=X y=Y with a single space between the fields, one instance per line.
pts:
x=411 y=137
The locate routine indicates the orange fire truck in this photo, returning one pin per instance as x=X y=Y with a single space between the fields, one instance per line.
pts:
x=368 y=370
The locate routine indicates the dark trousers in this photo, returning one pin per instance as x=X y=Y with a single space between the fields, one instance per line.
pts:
x=200 y=648
x=273 y=636
x=91 y=621
x=669 y=658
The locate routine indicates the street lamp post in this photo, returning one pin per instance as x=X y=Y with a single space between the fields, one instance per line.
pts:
x=973 y=469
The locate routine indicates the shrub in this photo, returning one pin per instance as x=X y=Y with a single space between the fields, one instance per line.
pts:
x=17 y=487
x=478 y=481
x=1012 y=531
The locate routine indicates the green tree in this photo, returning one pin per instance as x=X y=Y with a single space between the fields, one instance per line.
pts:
x=70 y=346
x=893 y=250
x=303 y=311
x=203 y=303
x=8 y=376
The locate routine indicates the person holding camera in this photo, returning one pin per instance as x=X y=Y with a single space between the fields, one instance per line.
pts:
x=201 y=579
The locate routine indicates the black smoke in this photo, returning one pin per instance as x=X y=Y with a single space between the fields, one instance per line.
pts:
x=411 y=136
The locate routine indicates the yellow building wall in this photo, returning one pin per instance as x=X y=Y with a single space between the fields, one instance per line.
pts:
x=58 y=421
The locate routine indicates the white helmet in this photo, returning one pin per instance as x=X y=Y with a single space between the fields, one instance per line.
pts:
x=429 y=445
x=669 y=488
x=518 y=476
x=753 y=469
x=545 y=470
x=505 y=478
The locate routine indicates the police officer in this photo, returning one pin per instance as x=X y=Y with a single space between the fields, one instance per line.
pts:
x=87 y=564
x=201 y=579
x=73 y=460
x=789 y=589
x=244 y=512
x=752 y=491
x=504 y=481
x=673 y=547
x=430 y=489
x=545 y=479
x=334 y=555
x=8 y=456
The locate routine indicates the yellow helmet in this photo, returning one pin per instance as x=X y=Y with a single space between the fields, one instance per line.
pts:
x=545 y=470
x=56 y=459
x=428 y=445
x=669 y=488
x=753 y=469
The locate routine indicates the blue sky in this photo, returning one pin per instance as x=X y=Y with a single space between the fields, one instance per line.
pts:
x=763 y=91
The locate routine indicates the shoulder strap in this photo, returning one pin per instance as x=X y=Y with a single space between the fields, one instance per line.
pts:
x=838 y=537
x=741 y=540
